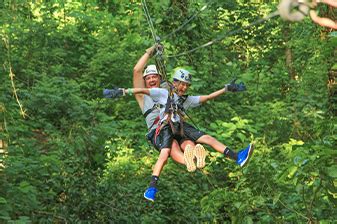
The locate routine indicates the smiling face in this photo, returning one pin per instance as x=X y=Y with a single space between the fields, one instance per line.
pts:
x=181 y=87
x=152 y=81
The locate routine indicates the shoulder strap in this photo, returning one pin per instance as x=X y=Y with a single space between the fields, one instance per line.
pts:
x=155 y=106
x=181 y=101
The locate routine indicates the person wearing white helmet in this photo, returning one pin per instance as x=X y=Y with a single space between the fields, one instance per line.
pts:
x=151 y=78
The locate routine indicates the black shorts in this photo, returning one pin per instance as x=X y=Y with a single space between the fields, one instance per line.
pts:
x=191 y=132
x=165 y=138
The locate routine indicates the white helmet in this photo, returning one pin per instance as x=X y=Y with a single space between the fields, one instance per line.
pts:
x=182 y=75
x=150 y=70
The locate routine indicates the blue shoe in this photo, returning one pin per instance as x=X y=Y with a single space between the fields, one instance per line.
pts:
x=244 y=155
x=150 y=194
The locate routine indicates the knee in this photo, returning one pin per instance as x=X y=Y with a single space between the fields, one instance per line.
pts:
x=186 y=143
x=208 y=138
x=164 y=155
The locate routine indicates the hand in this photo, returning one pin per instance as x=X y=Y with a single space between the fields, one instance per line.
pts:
x=113 y=93
x=233 y=87
x=155 y=49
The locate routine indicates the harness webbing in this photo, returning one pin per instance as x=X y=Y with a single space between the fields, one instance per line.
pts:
x=155 y=106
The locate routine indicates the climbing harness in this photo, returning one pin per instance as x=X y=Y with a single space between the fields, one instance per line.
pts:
x=156 y=106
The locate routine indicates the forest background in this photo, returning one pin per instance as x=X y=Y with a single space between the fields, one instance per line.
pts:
x=70 y=156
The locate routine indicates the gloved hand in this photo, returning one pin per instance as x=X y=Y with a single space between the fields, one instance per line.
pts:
x=113 y=93
x=155 y=49
x=233 y=87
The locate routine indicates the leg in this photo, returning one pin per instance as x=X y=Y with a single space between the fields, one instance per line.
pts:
x=185 y=143
x=196 y=135
x=176 y=153
x=200 y=137
x=162 y=160
x=218 y=146
x=211 y=141
x=241 y=157
x=163 y=143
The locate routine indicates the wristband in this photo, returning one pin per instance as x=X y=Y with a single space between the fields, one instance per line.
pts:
x=130 y=91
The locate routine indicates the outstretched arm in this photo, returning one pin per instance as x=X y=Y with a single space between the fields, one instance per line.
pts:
x=213 y=95
x=231 y=87
x=137 y=91
x=119 y=92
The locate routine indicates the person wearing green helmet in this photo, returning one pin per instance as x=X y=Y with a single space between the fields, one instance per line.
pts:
x=182 y=80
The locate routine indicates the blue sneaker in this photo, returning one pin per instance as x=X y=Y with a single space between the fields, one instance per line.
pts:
x=244 y=155
x=150 y=194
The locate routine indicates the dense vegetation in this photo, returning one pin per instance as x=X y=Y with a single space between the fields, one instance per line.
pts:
x=75 y=157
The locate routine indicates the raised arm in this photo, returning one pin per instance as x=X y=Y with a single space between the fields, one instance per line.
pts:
x=138 y=81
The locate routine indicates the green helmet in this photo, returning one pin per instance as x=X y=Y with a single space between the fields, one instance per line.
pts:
x=183 y=76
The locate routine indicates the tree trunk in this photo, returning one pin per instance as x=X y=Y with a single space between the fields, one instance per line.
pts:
x=289 y=57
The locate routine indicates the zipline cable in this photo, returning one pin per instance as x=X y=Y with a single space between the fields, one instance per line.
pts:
x=159 y=55
x=221 y=37
x=188 y=20
x=149 y=21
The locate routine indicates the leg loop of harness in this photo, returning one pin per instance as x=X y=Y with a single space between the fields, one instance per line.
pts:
x=158 y=129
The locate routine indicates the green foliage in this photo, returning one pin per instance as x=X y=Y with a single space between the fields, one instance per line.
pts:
x=78 y=158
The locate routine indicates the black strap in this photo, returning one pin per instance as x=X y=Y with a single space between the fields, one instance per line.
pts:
x=168 y=105
x=155 y=106
x=181 y=101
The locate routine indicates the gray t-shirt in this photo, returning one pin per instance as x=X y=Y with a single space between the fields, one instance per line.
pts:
x=148 y=105
x=160 y=96
x=151 y=117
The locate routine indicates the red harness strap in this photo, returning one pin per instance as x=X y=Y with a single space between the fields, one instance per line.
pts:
x=157 y=129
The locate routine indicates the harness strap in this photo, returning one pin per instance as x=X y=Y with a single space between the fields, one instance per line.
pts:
x=155 y=122
x=181 y=124
x=155 y=106
x=158 y=129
